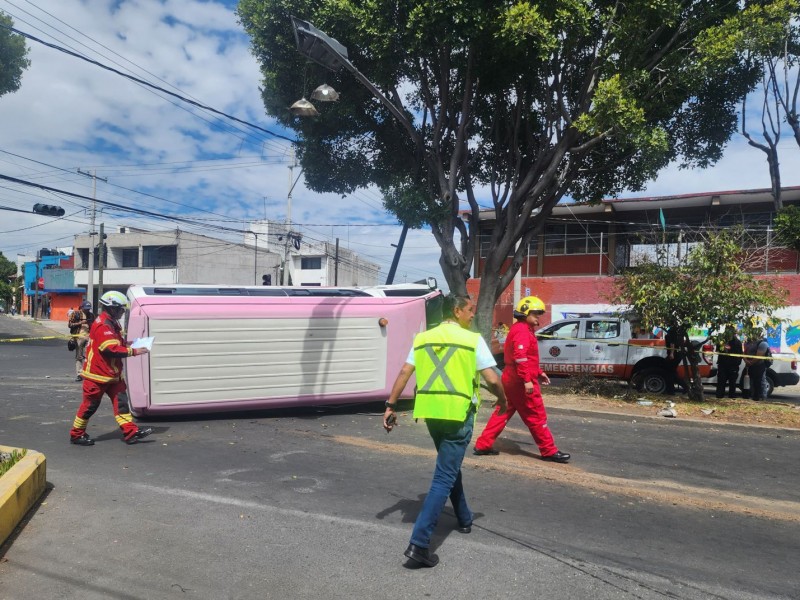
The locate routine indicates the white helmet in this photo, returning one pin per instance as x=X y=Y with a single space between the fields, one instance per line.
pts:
x=115 y=300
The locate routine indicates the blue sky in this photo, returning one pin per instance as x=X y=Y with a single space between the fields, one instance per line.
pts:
x=168 y=157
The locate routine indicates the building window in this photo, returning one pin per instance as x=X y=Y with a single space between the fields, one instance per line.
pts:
x=575 y=238
x=485 y=242
x=130 y=258
x=308 y=263
x=554 y=239
x=160 y=256
x=83 y=253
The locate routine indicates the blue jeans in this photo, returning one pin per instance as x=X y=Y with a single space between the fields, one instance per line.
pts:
x=451 y=439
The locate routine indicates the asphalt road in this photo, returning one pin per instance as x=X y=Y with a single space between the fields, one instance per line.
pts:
x=320 y=503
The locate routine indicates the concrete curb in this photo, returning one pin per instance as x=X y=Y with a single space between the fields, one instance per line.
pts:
x=20 y=488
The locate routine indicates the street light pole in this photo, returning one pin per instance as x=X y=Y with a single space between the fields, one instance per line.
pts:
x=326 y=51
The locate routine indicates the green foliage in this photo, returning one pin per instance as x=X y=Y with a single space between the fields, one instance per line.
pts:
x=16 y=456
x=710 y=287
x=758 y=30
x=13 y=57
x=510 y=105
x=787 y=226
x=8 y=271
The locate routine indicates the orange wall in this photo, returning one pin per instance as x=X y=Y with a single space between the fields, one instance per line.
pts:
x=61 y=303
x=589 y=290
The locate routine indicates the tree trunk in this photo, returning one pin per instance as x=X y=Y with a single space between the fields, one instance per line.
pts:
x=484 y=314
x=691 y=362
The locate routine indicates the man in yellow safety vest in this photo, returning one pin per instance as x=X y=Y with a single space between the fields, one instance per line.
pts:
x=447 y=360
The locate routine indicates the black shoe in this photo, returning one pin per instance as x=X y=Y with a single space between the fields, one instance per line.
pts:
x=466 y=529
x=84 y=440
x=421 y=556
x=487 y=452
x=559 y=457
x=140 y=434
x=78 y=378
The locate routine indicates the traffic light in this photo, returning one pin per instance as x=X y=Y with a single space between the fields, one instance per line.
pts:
x=49 y=210
x=266 y=280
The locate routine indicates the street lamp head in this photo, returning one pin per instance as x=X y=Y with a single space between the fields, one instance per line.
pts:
x=303 y=108
x=325 y=93
x=317 y=46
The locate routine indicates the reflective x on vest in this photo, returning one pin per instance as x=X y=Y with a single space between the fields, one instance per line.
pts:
x=439 y=372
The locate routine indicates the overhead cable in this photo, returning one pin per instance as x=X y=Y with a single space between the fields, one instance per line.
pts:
x=148 y=84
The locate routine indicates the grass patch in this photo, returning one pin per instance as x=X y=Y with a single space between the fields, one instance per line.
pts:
x=8 y=460
x=586 y=385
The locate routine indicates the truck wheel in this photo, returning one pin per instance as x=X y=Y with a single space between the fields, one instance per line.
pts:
x=652 y=381
x=770 y=385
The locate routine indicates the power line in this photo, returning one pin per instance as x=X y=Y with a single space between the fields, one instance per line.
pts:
x=233 y=129
x=148 y=84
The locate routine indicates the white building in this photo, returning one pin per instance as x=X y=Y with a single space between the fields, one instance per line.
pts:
x=310 y=262
x=137 y=256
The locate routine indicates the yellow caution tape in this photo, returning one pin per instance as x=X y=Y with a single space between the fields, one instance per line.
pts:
x=49 y=337
x=642 y=344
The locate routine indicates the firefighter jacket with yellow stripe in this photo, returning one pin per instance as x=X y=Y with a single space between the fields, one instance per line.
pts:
x=105 y=351
x=445 y=361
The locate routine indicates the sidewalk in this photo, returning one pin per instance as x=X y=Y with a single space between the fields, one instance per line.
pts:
x=52 y=327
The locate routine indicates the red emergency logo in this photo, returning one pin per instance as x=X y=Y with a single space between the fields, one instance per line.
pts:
x=555 y=351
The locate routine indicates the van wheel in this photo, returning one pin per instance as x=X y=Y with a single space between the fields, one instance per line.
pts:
x=652 y=381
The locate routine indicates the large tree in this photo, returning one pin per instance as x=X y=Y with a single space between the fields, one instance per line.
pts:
x=8 y=272
x=13 y=56
x=711 y=286
x=508 y=106
x=766 y=35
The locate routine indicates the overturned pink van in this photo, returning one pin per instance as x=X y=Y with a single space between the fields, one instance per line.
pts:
x=223 y=348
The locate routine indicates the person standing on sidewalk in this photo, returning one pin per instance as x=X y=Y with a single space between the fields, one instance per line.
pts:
x=758 y=348
x=728 y=362
x=79 y=322
x=447 y=360
x=521 y=377
x=102 y=373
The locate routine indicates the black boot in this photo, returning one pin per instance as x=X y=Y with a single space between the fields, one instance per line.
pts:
x=84 y=440
x=421 y=556
x=140 y=434
x=559 y=457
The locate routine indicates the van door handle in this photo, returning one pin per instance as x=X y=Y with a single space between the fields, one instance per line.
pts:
x=571 y=345
x=615 y=344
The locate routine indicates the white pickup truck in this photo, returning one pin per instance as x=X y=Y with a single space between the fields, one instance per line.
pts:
x=782 y=372
x=607 y=346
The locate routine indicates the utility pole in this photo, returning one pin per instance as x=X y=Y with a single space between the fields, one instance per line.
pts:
x=336 y=265
x=398 y=251
x=289 y=235
x=90 y=282
x=292 y=183
x=101 y=260
x=255 y=260
x=36 y=287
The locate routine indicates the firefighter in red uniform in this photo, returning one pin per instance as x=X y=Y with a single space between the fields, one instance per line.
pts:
x=521 y=377
x=102 y=373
